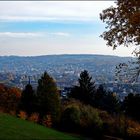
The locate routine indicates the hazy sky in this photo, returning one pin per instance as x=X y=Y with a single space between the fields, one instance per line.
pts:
x=54 y=27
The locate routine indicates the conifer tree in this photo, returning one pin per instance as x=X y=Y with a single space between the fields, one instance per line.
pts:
x=27 y=102
x=48 y=97
x=85 y=90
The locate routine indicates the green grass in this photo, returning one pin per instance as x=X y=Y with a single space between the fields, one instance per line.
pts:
x=16 y=129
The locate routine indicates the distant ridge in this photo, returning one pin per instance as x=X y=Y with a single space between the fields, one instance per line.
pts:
x=44 y=62
x=64 y=68
x=68 y=55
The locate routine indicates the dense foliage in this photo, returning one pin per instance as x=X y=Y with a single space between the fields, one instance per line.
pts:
x=123 y=23
x=28 y=99
x=131 y=105
x=9 y=98
x=48 y=97
x=78 y=117
x=87 y=93
x=85 y=90
x=106 y=100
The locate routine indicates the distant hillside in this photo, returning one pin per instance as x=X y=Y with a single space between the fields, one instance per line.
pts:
x=64 y=68
x=13 y=128
x=36 y=63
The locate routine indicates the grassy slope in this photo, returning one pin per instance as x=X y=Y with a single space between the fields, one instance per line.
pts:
x=14 y=128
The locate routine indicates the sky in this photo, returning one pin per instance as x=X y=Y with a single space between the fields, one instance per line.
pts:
x=32 y=28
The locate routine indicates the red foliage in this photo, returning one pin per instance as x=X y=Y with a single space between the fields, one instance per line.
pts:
x=34 y=117
x=9 y=98
x=47 y=121
x=22 y=115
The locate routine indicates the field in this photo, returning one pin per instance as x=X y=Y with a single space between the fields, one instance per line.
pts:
x=17 y=129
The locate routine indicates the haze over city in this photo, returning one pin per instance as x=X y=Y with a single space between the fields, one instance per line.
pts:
x=50 y=27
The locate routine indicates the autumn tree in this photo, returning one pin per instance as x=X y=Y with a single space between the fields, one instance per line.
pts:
x=9 y=98
x=123 y=28
x=85 y=90
x=13 y=98
x=123 y=23
x=48 y=97
x=3 y=94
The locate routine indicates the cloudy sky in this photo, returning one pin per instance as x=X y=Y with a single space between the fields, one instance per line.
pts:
x=54 y=27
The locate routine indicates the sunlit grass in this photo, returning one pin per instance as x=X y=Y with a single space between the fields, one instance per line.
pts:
x=15 y=128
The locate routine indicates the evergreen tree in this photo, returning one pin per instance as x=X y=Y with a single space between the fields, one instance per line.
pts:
x=86 y=89
x=27 y=102
x=48 y=97
x=106 y=100
x=99 y=97
x=111 y=103
x=131 y=104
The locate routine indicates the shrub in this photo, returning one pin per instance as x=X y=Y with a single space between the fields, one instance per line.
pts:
x=133 y=128
x=90 y=116
x=113 y=125
x=120 y=126
x=22 y=115
x=71 y=118
x=79 y=117
x=90 y=122
x=47 y=121
x=13 y=113
x=34 y=117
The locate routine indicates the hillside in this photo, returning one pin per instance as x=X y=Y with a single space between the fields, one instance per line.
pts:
x=64 y=68
x=37 y=64
x=15 y=128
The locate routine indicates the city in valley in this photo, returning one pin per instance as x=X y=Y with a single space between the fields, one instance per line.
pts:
x=65 y=69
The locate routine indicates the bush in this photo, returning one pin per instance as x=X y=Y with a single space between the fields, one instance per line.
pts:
x=78 y=117
x=22 y=115
x=90 y=116
x=34 y=117
x=71 y=118
x=13 y=113
x=113 y=125
x=90 y=121
x=47 y=121
x=120 y=126
x=133 y=128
